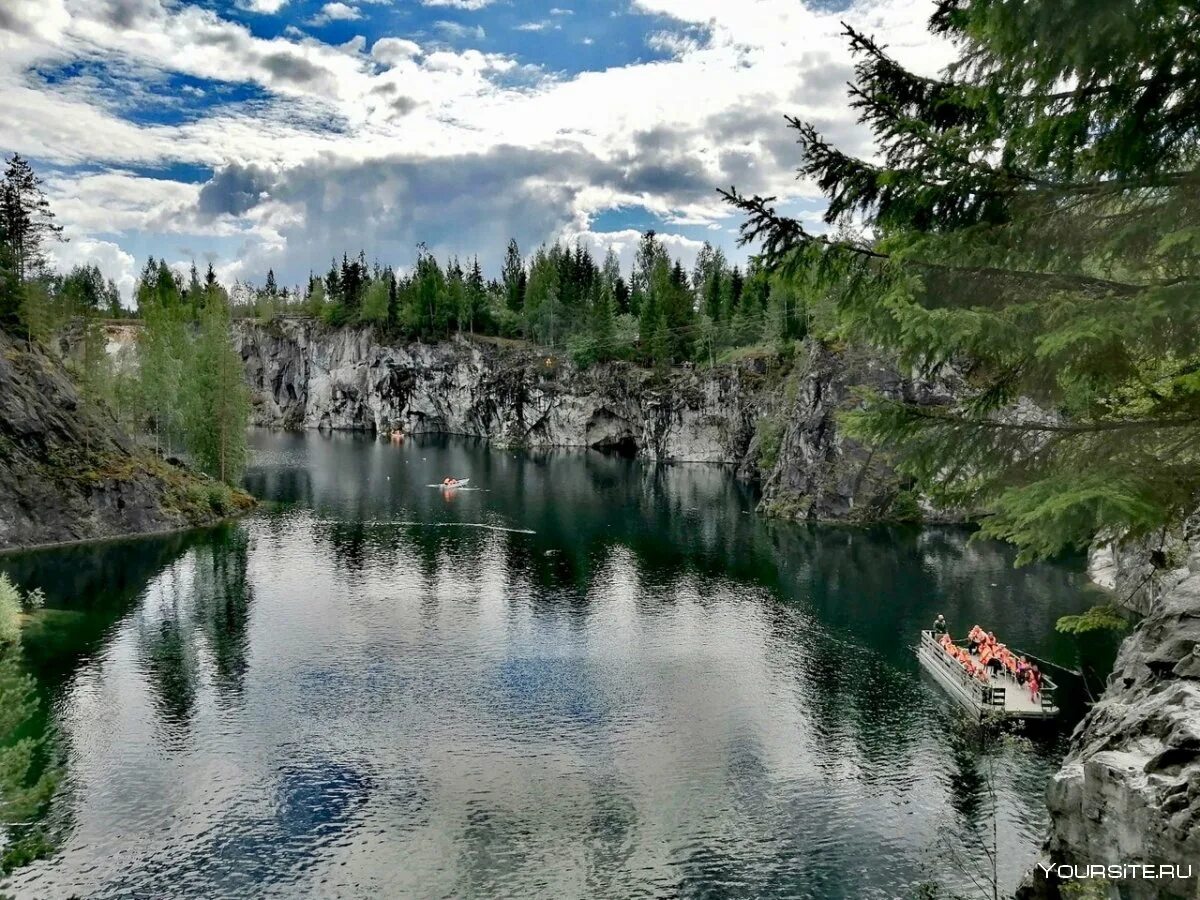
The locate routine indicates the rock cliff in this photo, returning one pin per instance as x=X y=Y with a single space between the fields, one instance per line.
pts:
x=67 y=472
x=770 y=419
x=305 y=375
x=1129 y=789
x=820 y=473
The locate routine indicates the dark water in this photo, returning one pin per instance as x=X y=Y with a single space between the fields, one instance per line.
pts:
x=590 y=678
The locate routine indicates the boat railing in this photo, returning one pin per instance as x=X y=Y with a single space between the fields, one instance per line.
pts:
x=956 y=670
x=989 y=695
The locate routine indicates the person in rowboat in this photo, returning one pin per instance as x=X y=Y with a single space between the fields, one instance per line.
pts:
x=939 y=626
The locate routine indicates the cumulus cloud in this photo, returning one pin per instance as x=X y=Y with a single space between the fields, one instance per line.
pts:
x=391 y=51
x=114 y=262
x=401 y=142
x=335 y=12
x=470 y=5
x=265 y=6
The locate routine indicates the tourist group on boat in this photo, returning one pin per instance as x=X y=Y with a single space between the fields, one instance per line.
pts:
x=983 y=655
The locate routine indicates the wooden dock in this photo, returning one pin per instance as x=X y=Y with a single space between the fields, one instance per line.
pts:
x=1001 y=696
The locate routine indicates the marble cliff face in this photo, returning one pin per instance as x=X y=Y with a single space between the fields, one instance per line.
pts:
x=1129 y=790
x=771 y=422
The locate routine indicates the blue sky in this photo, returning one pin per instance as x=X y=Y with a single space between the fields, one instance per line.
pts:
x=278 y=133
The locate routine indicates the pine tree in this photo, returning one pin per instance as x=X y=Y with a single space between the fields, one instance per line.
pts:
x=1036 y=220
x=603 y=331
x=513 y=277
x=650 y=254
x=476 y=297
x=393 y=302
x=543 y=312
x=708 y=278
x=456 y=294
x=621 y=296
x=333 y=284
x=27 y=217
x=26 y=222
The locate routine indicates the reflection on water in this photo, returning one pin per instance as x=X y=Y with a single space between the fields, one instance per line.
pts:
x=626 y=684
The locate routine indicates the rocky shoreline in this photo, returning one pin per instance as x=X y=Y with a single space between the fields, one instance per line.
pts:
x=773 y=421
x=1128 y=792
x=69 y=474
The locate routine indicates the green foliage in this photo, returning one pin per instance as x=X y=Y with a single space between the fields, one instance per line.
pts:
x=1035 y=214
x=1105 y=617
x=335 y=315
x=26 y=781
x=216 y=403
x=905 y=507
x=375 y=303
x=770 y=439
x=10 y=611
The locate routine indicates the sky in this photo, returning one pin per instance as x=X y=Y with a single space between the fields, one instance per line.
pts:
x=278 y=134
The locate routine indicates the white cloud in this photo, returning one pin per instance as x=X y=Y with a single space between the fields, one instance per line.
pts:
x=335 y=12
x=672 y=42
x=265 y=6
x=470 y=5
x=391 y=51
x=397 y=142
x=114 y=262
x=459 y=30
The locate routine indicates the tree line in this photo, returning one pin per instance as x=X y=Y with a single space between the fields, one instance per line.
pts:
x=560 y=298
x=184 y=389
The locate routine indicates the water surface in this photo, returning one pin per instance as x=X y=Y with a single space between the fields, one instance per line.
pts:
x=590 y=677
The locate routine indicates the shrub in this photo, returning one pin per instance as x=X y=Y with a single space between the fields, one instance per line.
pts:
x=220 y=499
x=770 y=438
x=905 y=507
x=10 y=611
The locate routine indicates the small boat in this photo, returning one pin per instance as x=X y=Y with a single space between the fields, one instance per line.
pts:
x=457 y=483
x=1000 y=696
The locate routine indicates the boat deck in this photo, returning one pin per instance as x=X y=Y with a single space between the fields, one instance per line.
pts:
x=1000 y=696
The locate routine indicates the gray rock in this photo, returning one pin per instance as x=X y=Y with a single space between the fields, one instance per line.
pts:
x=1129 y=789
x=67 y=472
x=305 y=375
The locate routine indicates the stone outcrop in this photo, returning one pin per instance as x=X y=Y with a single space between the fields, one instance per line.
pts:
x=67 y=473
x=820 y=473
x=1129 y=789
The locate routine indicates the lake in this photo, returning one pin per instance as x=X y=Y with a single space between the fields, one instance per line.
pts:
x=586 y=676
